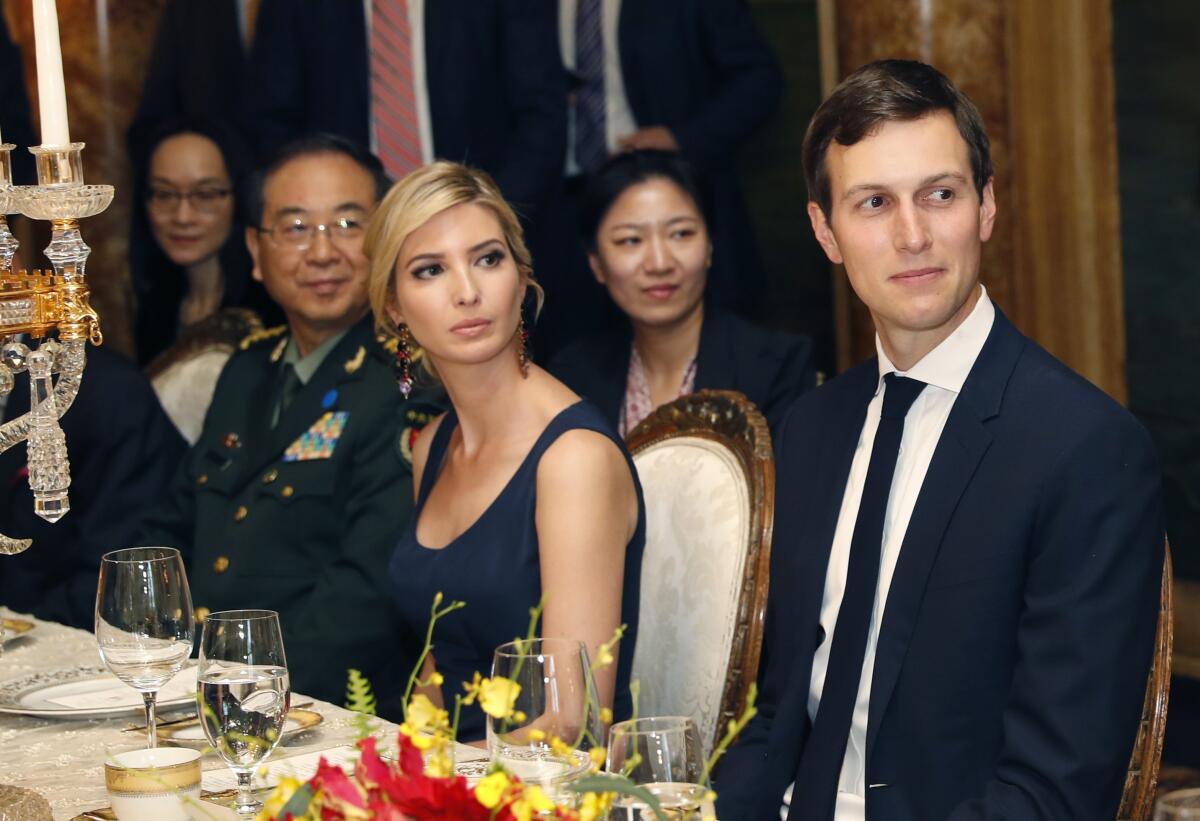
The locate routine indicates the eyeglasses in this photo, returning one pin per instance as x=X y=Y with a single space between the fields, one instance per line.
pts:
x=203 y=200
x=299 y=234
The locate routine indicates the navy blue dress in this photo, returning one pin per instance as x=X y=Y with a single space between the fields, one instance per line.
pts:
x=493 y=567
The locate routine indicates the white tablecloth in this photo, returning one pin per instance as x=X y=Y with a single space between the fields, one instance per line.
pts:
x=64 y=760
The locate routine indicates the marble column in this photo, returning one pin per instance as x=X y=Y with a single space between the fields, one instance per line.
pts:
x=1041 y=75
x=106 y=45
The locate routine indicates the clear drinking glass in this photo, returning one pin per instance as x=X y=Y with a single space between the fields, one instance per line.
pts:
x=1180 y=805
x=144 y=621
x=243 y=692
x=664 y=755
x=557 y=700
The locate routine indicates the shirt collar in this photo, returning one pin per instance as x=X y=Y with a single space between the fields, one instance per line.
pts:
x=948 y=365
x=306 y=366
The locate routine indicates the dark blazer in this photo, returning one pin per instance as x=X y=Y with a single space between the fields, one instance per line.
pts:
x=497 y=89
x=198 y=60
x=14 y=103
x=123 y=450
x=703 y=70
x=1012 y=658
x=771 y=368
x=307 y=537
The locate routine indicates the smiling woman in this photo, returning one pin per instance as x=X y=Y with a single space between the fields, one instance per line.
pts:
x=522 y=489
x=644 y=226
x=187 y=255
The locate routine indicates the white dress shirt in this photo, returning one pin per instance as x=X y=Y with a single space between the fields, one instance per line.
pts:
x=618 y=116
x=943 y=370
x=416 y=25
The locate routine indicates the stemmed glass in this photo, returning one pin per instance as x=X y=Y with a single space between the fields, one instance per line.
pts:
x=144 y=621
x=664 y=756
x=1181 y=805
x=243 y=692
x=557 y=700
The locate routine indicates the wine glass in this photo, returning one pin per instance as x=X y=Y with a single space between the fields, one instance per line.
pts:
x=144 y=621
x=1180 y=805
x=663 y=755
x=243 y=692
x=557 y=701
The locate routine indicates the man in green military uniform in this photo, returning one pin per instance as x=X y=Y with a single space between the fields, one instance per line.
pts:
x=301 y=482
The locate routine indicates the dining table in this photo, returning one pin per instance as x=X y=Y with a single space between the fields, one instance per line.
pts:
x=63 y=759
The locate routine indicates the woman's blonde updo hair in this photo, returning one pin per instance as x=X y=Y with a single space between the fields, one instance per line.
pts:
x=420 y=196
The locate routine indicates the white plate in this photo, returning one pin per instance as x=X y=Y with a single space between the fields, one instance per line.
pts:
x=88 y=692
x=191 y=734
x=17 y=628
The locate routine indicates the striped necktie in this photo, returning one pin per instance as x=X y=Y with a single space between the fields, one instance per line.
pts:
x=591 y=140
x=398 y=138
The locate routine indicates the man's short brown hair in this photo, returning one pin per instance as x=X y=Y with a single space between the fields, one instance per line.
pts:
x=888 y=91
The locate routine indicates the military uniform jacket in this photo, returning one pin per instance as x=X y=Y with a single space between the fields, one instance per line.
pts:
x=302 y=517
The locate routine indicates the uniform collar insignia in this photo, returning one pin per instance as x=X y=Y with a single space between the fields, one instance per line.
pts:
x=280 y=347
x=355 y=362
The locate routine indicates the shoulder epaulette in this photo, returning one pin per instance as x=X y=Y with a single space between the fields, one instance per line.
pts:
x=259 y=336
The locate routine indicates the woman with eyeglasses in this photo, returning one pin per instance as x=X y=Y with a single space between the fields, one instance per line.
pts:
x=187 y=255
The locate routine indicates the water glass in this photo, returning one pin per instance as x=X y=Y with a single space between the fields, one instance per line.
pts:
x=144 y=621
x=557 y=700
x=1180 y=805
x=664 y=755
x=243 y=692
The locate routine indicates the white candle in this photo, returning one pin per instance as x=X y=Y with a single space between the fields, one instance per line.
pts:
x=52 y=92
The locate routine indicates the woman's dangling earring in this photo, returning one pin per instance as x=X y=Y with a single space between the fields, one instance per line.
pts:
x=403 y=361
x=523 y=347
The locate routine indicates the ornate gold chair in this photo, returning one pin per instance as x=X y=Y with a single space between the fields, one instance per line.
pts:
x=708 y=474
x=1141 y=780
x=184 y=376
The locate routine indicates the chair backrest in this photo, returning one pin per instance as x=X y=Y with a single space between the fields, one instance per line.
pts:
x=1141 y=780
x=184 y=376
x=708 y=474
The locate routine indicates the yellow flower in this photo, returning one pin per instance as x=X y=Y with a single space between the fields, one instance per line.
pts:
x=519 y=717
x=594 y=806
x=282 y=794
x=560 y=747
x=537 y=735
x=438 y=764
x=597 y=755
x=437 y=679
x=606 y=715
x=491 y=790
x=420 y=740
x=423 y=715
x=532 y=800
x=496 y=695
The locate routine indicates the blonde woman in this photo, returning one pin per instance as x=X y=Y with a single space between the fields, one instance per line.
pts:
x=522 y=487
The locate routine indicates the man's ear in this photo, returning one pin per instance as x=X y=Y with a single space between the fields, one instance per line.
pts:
x=987 y=211
x=824 y=232
x=252 y=241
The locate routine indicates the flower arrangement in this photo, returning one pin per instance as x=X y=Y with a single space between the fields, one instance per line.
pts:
x=421 y=784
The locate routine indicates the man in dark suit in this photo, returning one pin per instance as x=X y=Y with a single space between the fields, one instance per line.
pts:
x=675 y=75
x=200 y=57
x=301 y=480
x=493 y=93
x=969 y=539
x=123 y=450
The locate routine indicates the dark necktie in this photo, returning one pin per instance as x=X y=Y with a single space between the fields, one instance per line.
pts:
x=289 y=388
x=591 y=139
x=815 y=793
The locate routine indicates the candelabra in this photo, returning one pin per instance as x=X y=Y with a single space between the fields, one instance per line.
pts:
x=40 y=303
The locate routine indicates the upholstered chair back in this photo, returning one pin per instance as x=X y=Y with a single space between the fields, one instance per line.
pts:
x=707 y=472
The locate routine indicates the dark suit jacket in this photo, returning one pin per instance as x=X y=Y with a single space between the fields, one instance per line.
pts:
x=309 y=537
x=123 y=450
x=14 y=103
x=1013 y=653
x=703 y=70
x=771 y=368
x=197 y=64
x=497 y=89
